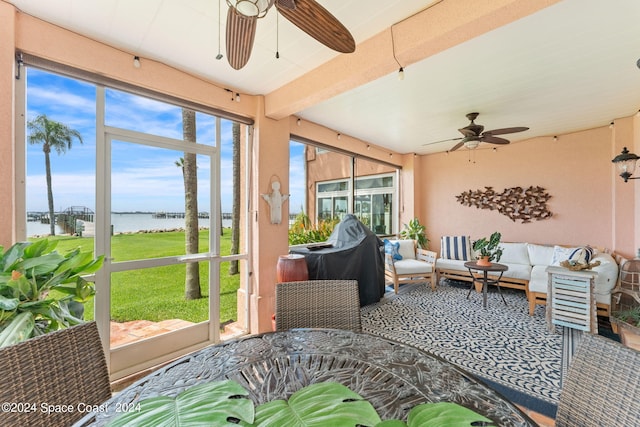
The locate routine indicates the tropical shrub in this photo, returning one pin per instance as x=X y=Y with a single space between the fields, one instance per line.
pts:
x=415 y=231
x=303 y=231
x=41 y=290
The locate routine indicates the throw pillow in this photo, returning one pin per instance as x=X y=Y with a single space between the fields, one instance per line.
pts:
x=561 y=254
x=392 y=249
x=455 y=247
x=582 y=255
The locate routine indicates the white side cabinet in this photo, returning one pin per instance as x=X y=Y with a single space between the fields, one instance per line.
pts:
x=570 y=299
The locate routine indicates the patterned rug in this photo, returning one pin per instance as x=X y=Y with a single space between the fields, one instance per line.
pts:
x=502 y=345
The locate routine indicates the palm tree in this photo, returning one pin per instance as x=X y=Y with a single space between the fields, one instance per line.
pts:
x=53 y=136
x=191 y=232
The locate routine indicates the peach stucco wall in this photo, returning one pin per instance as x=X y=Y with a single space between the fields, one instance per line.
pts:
x=270 y=140
x=7 y=110
x=590 y=205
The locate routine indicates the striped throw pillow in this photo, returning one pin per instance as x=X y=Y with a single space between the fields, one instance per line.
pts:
x=455 y=247
x=582 y=255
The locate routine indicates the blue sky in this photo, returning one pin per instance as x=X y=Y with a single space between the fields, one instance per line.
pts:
x=143 y=178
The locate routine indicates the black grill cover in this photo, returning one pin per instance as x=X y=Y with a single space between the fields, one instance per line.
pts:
x=355 y=253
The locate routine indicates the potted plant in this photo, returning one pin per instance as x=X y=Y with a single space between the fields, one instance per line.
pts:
x=415 y=231
x=626 y=323
x=41 y=290
x=489 y=249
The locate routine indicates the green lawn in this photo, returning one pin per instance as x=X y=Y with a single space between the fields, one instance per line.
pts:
x=158 y=293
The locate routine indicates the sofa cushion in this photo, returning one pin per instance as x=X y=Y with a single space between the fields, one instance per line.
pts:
x=455 y=247
x=412 y=266
x=514 y=253
x=607 y=277
x=451 y=264
x=539 y=279
x=391 y=248
x=540 y=254
x=560 y=253
x=516 y=271
x=407 y=249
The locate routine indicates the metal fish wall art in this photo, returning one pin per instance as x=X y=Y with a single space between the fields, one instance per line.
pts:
x=519 y=204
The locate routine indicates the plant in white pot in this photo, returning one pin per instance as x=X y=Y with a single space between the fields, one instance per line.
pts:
x=627 y=324
x=489 y=249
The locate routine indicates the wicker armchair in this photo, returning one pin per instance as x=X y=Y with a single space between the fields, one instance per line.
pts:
x=66 y=368
x=602 y=386
x=318 y=304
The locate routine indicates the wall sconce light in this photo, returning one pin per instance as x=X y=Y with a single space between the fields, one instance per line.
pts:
x=339 y=136
x=299 y=122
x=401 y=74
x=626 y=164
x=237 y=97
x=136 y=61
x=611 y=125
x=555 y=138
x=368 y=147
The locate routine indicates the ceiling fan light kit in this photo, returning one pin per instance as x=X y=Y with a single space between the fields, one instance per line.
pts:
x=251 y=8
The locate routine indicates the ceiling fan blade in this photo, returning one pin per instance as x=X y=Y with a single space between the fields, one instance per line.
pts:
x=316 y=21
x=505 y=130
x=493 y=139
x=458 y=145
x=286 y=4
x=241 y=32
x=442 y=140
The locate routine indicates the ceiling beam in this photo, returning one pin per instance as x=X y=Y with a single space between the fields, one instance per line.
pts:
x=439 y=27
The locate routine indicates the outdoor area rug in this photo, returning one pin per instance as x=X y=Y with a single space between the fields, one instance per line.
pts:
x=501 y=345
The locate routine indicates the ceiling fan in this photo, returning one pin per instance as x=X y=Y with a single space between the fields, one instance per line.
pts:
x=307 y=15
x=473 y=135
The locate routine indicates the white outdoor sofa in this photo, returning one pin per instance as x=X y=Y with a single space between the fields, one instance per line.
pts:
x=527 y=264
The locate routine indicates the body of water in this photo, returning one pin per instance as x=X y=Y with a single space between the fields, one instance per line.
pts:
x=127 y=223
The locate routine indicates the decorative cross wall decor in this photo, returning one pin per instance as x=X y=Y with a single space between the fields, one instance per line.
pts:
x=524 y=204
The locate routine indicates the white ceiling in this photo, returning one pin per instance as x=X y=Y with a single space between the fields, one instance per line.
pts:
x=569 y=67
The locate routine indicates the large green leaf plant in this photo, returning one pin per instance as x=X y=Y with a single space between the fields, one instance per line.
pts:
x=226 y=403
x=415 y=231
x=41 y=290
